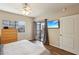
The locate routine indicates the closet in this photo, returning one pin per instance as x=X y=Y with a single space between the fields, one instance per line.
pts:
x=69 y=33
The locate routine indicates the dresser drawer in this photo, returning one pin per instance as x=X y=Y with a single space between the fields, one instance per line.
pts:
x=8 y=35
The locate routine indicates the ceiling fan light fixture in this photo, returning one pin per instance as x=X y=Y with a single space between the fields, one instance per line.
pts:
x=25 y=13
x=26 y=9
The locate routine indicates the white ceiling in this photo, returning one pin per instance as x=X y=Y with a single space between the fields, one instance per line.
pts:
x=43 y=9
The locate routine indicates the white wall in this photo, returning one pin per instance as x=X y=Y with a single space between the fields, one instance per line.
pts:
x=54 y=37
x=28 y=26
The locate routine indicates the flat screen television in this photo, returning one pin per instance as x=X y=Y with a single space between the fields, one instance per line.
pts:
x=53 y=24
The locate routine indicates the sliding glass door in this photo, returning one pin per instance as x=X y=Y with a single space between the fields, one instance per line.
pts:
x=39 y=31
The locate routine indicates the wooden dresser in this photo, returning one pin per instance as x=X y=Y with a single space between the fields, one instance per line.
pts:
x=8 y=35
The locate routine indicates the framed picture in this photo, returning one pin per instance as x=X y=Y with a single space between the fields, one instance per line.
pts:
x=5 y=23
x=8 y=23
x=53 y=24
x=20 y=25
x=12 y=24
x=21 y=28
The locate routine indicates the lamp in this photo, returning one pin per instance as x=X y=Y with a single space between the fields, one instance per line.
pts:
x=26 y=9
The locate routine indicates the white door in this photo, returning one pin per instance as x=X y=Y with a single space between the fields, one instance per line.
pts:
x=76 y=41
x=66 y=33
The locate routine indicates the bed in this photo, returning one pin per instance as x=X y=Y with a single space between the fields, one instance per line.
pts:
x=25 y=47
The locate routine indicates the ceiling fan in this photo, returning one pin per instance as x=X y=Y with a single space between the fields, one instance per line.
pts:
x=26 y=9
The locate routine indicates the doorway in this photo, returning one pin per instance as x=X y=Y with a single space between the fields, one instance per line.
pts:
x=41 y=31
